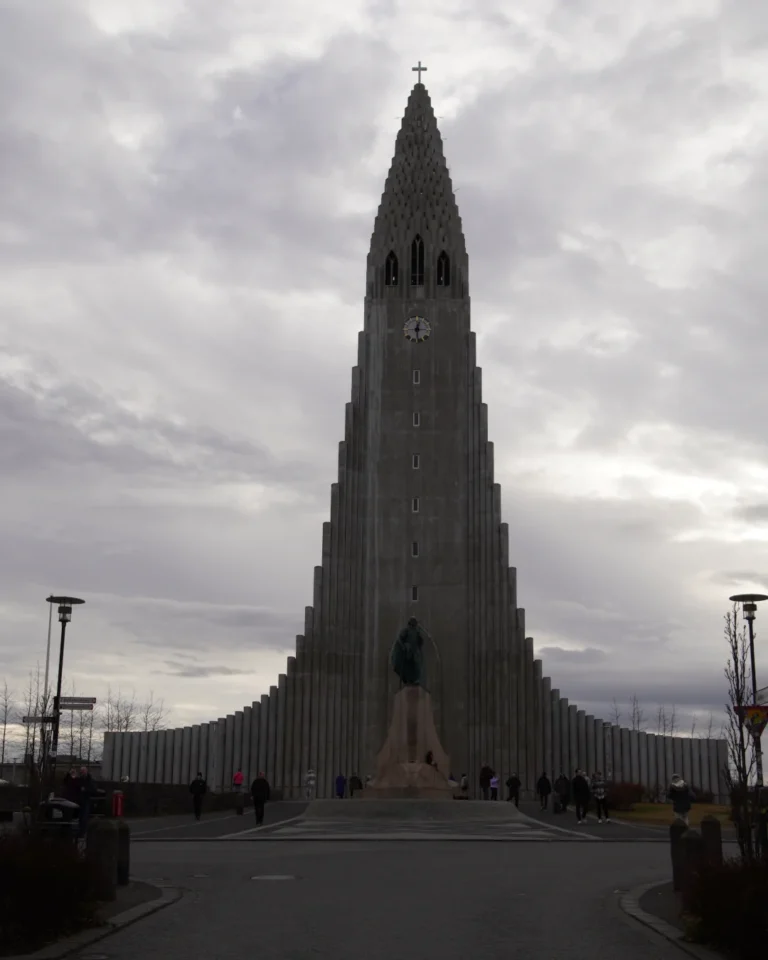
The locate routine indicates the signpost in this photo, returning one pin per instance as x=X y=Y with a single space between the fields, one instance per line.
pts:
x=90 y=700
x=37 y=719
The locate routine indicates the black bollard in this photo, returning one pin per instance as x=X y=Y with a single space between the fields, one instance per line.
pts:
x=712 y=833
x=676 y=831
x=694 y=856
x=101 y=854
x=123 y=853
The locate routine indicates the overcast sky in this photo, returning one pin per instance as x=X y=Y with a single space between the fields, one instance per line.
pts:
x=187 y=193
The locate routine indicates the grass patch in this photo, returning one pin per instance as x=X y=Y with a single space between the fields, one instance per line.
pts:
x=659 y=814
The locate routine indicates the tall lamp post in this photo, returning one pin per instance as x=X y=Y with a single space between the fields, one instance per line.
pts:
x=749 y=602
x=65 y=615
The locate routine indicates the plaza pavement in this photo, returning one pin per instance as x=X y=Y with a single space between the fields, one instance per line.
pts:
x=395 y=900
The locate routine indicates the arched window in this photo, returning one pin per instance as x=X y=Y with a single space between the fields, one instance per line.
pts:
x=443 y=270
x=390 y=270
x=417 y=262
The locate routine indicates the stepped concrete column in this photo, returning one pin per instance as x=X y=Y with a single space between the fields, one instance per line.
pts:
x=554 y=710
x=117 y=755
x=599 y=745
x=546 y=709
x=706 y=783
x=721 y=751
x=565 y=736
x=696 y=764
x=135 y=756
x=186 y=755
x=642 y=750
x=589 y=733
x=244 y=759
x=237 y=744
x=272 y=735
x=263 y=733
x=677 y=755
x=219 y=756
x=538 y=713
x=669 y=760
x=626 y=755
x=202 y=749
x=170 y=739
x=282 y=683
x=289 y=787
x=653 y=769
x=685 y=747
x=229 y=753
x=253 y=755
x=618 y=766
x=581 y=737
x=151 y=755
x=194 y=752
x=573 y=734
x=634 y=757
x=107 y=755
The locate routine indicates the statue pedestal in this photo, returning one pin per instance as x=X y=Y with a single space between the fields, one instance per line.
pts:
x=401 y=768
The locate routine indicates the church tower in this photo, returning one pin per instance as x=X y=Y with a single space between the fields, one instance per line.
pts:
x=415 y=530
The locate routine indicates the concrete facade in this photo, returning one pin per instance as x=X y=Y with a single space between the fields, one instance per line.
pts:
x=415 y=529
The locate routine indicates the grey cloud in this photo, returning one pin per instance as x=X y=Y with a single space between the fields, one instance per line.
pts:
x=198 y=672
x=585 y=657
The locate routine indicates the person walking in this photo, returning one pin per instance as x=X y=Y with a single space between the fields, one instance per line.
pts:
x=580 y=789
x=513 y=786
x=310 y=783
x=85 y=793
x=543 y=789
x=486 y=773
x=237 y=788
x=464 y=787
x=260 y=793
x=69 y=788
x=341 y=786
x=562 y=793
x=682 y=798
x=597 y=786
x=494 y=787
x=198 y=788
x=355 y=783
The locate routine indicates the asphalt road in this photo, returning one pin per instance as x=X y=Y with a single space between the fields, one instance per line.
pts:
x=426 y=901
x=212 y=825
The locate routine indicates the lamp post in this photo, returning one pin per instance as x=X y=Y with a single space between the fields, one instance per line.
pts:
x=65 y=615
x=749 y=602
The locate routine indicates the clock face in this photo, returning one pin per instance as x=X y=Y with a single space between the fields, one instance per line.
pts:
x=417 y=329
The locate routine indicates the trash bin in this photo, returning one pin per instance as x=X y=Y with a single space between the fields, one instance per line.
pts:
x=59 y=819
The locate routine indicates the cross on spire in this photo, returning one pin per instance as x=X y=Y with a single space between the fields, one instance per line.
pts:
x=419 y=70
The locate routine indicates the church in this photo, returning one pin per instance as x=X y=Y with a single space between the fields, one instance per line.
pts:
x=415 y=530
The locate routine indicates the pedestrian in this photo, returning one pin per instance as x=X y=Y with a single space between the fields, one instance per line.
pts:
x=341 y=786
x=494 y=787
x=599 y=793
x=682 y=798
x=260 y=792
x=563 y=793
x=198 y=788
x=485 y=780
x=580 y=790
x=543 y=789
x=513 y=786
x=464 y=787
x=310 y=782
x=69 y=788
x=237 y=787
x=85 y=794
x=355 y=783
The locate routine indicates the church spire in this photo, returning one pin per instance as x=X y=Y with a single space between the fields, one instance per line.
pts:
x=418 y=199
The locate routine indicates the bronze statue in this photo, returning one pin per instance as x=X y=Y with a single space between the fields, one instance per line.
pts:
x=408 y=655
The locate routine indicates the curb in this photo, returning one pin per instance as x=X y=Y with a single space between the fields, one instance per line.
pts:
x=630 y=904
x=85 y=938
x=382 y=838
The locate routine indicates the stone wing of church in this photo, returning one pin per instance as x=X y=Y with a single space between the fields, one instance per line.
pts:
x=415 y=530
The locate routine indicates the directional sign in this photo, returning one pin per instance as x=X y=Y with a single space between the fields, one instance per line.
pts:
x=76 y=706
x=38 y=719
x=77 y=700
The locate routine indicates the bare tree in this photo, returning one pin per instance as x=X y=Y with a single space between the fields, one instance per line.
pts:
x=118 y=713
x=694 y=720
x=152 y=714
x=741 y=754
x=615 y=714
x=661 y=721
x=672 y=725
x=637 y=714
x=7 y=708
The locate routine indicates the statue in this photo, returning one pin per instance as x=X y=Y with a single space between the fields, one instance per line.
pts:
x=407 y=654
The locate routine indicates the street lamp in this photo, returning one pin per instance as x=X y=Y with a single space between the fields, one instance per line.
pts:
x=749 y=603
x=65 y=615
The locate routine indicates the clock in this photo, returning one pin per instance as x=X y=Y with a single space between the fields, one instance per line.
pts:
x=417 y=329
